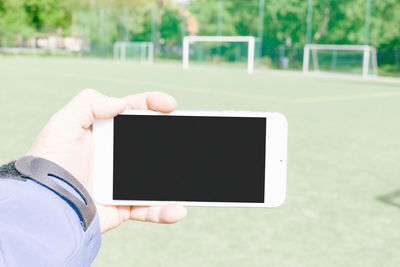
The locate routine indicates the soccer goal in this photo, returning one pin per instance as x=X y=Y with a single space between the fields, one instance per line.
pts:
x=142 y=51
x=250 y=40
x=352 y=59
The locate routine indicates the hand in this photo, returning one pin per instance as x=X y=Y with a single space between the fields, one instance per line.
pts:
x=67 y=140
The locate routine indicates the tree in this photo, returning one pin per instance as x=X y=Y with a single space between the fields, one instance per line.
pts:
x=170 y=28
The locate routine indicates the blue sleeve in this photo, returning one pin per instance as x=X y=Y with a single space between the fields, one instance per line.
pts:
x=38 y=228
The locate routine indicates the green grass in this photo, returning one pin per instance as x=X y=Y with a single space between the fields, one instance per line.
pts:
x=344 y=153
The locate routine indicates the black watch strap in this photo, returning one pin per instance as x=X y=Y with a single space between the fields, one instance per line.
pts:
x=45 y=173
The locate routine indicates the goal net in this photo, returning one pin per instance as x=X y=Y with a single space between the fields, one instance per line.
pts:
x=212 y=46
x=350 y=59
x=140 y=51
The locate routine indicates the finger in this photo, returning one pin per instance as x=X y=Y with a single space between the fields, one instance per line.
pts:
x=156 y=101
x=89 y=105
x=158 y=214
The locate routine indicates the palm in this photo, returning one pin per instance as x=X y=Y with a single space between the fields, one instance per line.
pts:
x=67 y=140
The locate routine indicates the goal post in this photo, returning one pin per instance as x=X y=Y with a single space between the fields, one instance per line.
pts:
x=187 y=40
x=141 y=50
x=367 y=55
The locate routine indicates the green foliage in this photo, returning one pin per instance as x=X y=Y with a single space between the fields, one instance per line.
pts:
x=343 y=22
x=170 y=28
x=339 y=21
x=13 y=20
x=46 y=13
x=25 y=18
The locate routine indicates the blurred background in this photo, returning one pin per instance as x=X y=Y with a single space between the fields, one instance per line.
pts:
x=90 y=28
x=331 y=67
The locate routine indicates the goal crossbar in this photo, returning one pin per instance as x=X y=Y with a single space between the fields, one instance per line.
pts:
x=187 y=40
x=366 y=49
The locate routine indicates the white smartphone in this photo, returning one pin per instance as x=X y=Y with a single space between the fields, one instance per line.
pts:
x=196 y=158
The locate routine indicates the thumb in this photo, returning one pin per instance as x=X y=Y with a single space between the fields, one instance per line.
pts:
x=89 y=105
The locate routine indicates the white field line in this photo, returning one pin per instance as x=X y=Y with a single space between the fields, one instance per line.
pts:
x=321 y=74
x=353 y=77
x=334 y=98
x=250 y=96
x=257 y=97
x=183 y=88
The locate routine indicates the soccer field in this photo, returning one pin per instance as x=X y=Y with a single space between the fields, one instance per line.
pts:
x=343 y=166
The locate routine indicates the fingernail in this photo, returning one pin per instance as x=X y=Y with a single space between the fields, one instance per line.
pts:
x=182 y=212
x=172 y=101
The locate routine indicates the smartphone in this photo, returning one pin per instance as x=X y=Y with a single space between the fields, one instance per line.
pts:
x=196 y=158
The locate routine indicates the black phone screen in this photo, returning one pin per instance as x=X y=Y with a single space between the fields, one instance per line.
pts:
x=189 y=158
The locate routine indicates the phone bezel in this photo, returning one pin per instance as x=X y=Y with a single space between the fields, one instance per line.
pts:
x=275 y=171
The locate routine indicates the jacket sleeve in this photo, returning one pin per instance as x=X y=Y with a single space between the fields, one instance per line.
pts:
x=39 y=228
